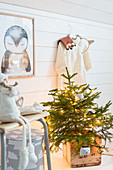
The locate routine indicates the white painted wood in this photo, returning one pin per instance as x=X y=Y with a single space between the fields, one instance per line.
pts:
x=92 y=4
x=36 y=84
x=45 y=54
x=102 y=67
x=102 y=44
x=72 y=8
x=45 y=69
x=48 y=39
x=49 y=27
x=107 y=89
x=32 y=12
x=101 y=55
x=100 y=78
x=60 y=26
x=31 y=98
x=104 y=99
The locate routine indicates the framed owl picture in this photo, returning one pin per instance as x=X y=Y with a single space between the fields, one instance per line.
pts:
x=16 y=45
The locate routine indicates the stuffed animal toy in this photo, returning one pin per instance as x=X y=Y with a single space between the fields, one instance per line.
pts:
x=9 y=112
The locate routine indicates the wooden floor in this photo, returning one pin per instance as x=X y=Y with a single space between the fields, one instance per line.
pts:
x=59 y=163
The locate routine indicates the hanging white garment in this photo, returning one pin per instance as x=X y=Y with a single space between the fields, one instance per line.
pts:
x=77 y=60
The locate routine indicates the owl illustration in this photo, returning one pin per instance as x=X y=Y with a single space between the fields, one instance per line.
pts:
x=15 y=57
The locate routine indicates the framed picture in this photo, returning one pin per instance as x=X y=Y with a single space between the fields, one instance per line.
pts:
x=16 y=45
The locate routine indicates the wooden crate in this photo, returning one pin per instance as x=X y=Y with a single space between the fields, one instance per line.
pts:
x=93 y=159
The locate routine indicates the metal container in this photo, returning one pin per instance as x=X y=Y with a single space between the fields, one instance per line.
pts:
x=14 y=142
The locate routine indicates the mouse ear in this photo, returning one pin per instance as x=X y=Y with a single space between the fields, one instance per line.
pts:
x=3 y=77
x=20 y=101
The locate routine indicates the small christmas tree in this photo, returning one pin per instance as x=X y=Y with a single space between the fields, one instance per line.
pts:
x=76 y=118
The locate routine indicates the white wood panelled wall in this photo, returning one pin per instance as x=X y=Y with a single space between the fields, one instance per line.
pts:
x=49 y=27
x=93 y=10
